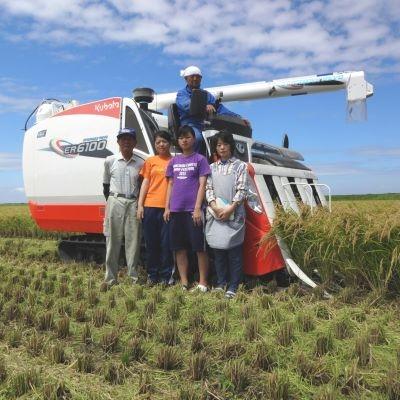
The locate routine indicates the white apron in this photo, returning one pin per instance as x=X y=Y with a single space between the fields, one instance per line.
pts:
x=225 y=234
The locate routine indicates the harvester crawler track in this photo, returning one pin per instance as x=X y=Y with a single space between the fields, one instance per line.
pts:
x=89 y=247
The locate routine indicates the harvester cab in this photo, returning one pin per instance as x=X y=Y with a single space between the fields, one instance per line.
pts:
x=64 y=152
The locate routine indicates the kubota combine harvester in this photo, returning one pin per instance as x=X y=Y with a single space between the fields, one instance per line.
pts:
x=64 y=151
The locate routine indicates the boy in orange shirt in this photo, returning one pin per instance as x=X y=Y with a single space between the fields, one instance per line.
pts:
x=151 y=205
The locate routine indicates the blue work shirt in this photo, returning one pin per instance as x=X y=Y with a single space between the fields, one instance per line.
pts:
x=183 y=103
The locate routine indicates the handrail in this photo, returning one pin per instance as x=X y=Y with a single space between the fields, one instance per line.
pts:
x=329 y=193
x=308 y=194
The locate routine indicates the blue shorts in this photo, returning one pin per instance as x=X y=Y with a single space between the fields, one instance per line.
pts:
x=184 y=234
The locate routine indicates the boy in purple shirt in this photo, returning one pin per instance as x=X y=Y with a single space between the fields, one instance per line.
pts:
x=187 y=175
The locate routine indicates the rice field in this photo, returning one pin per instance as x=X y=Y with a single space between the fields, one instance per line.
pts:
x=15 y=221
x=360 y=241
x=63 y=335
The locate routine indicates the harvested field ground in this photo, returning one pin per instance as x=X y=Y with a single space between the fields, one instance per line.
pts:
x=62 y=335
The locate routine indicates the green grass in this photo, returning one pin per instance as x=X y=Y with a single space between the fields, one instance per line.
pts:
x=15 y=221
x=29 y=249
x=63 y=336
x=142 y=354
x=356 y=197
x=11 y=209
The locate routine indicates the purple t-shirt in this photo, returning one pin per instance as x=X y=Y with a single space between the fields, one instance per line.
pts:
x=185 y=171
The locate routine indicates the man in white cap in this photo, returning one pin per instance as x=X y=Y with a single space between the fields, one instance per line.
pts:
x=192 y=76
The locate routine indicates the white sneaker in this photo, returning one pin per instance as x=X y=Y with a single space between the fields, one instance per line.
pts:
x=200 y=288
x=229 y=294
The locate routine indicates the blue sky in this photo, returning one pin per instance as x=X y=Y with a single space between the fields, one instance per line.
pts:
x=88 y=50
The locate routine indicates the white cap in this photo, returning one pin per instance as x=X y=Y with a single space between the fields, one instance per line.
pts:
x=192 y=70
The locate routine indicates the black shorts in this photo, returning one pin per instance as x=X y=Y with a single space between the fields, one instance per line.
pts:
x=184 y=234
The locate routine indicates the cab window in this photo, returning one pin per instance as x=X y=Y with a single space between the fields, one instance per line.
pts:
x=132 y=122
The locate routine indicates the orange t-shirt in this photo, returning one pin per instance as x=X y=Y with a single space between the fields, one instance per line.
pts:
x=154 y=169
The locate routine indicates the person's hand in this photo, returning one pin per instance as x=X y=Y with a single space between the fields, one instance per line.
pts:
x=226 y=212
x=140 y=212
x=217 y=210
x=196 y=215
x=167 y=214
x=210 y=109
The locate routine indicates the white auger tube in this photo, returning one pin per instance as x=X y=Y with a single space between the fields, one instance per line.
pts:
x=357 y=88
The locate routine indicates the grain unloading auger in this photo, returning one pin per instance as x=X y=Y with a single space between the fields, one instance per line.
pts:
x=357 y=90
x=64 y=152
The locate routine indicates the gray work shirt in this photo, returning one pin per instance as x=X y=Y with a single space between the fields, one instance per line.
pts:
x=122 y=175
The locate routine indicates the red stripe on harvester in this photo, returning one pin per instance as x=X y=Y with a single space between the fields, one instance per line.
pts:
x=86 y=218
x=259 y=259
x=108 y=107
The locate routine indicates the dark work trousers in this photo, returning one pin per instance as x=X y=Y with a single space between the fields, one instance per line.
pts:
x=229 y=267
x=158 y=254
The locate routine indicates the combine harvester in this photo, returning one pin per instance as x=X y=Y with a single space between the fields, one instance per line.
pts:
x=64 y=151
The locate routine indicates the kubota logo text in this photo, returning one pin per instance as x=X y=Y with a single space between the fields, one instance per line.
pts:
x=106 y=106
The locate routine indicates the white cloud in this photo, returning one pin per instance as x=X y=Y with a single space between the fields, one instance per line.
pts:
x=247 y=35
x=18 y=97
x=154 y=8
x=11 y=85
x=17 y=104
x=378 y=151
x=10 y=162
x=9 y=194
x=342 y=168
x=66 y=56
x=366 y=162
